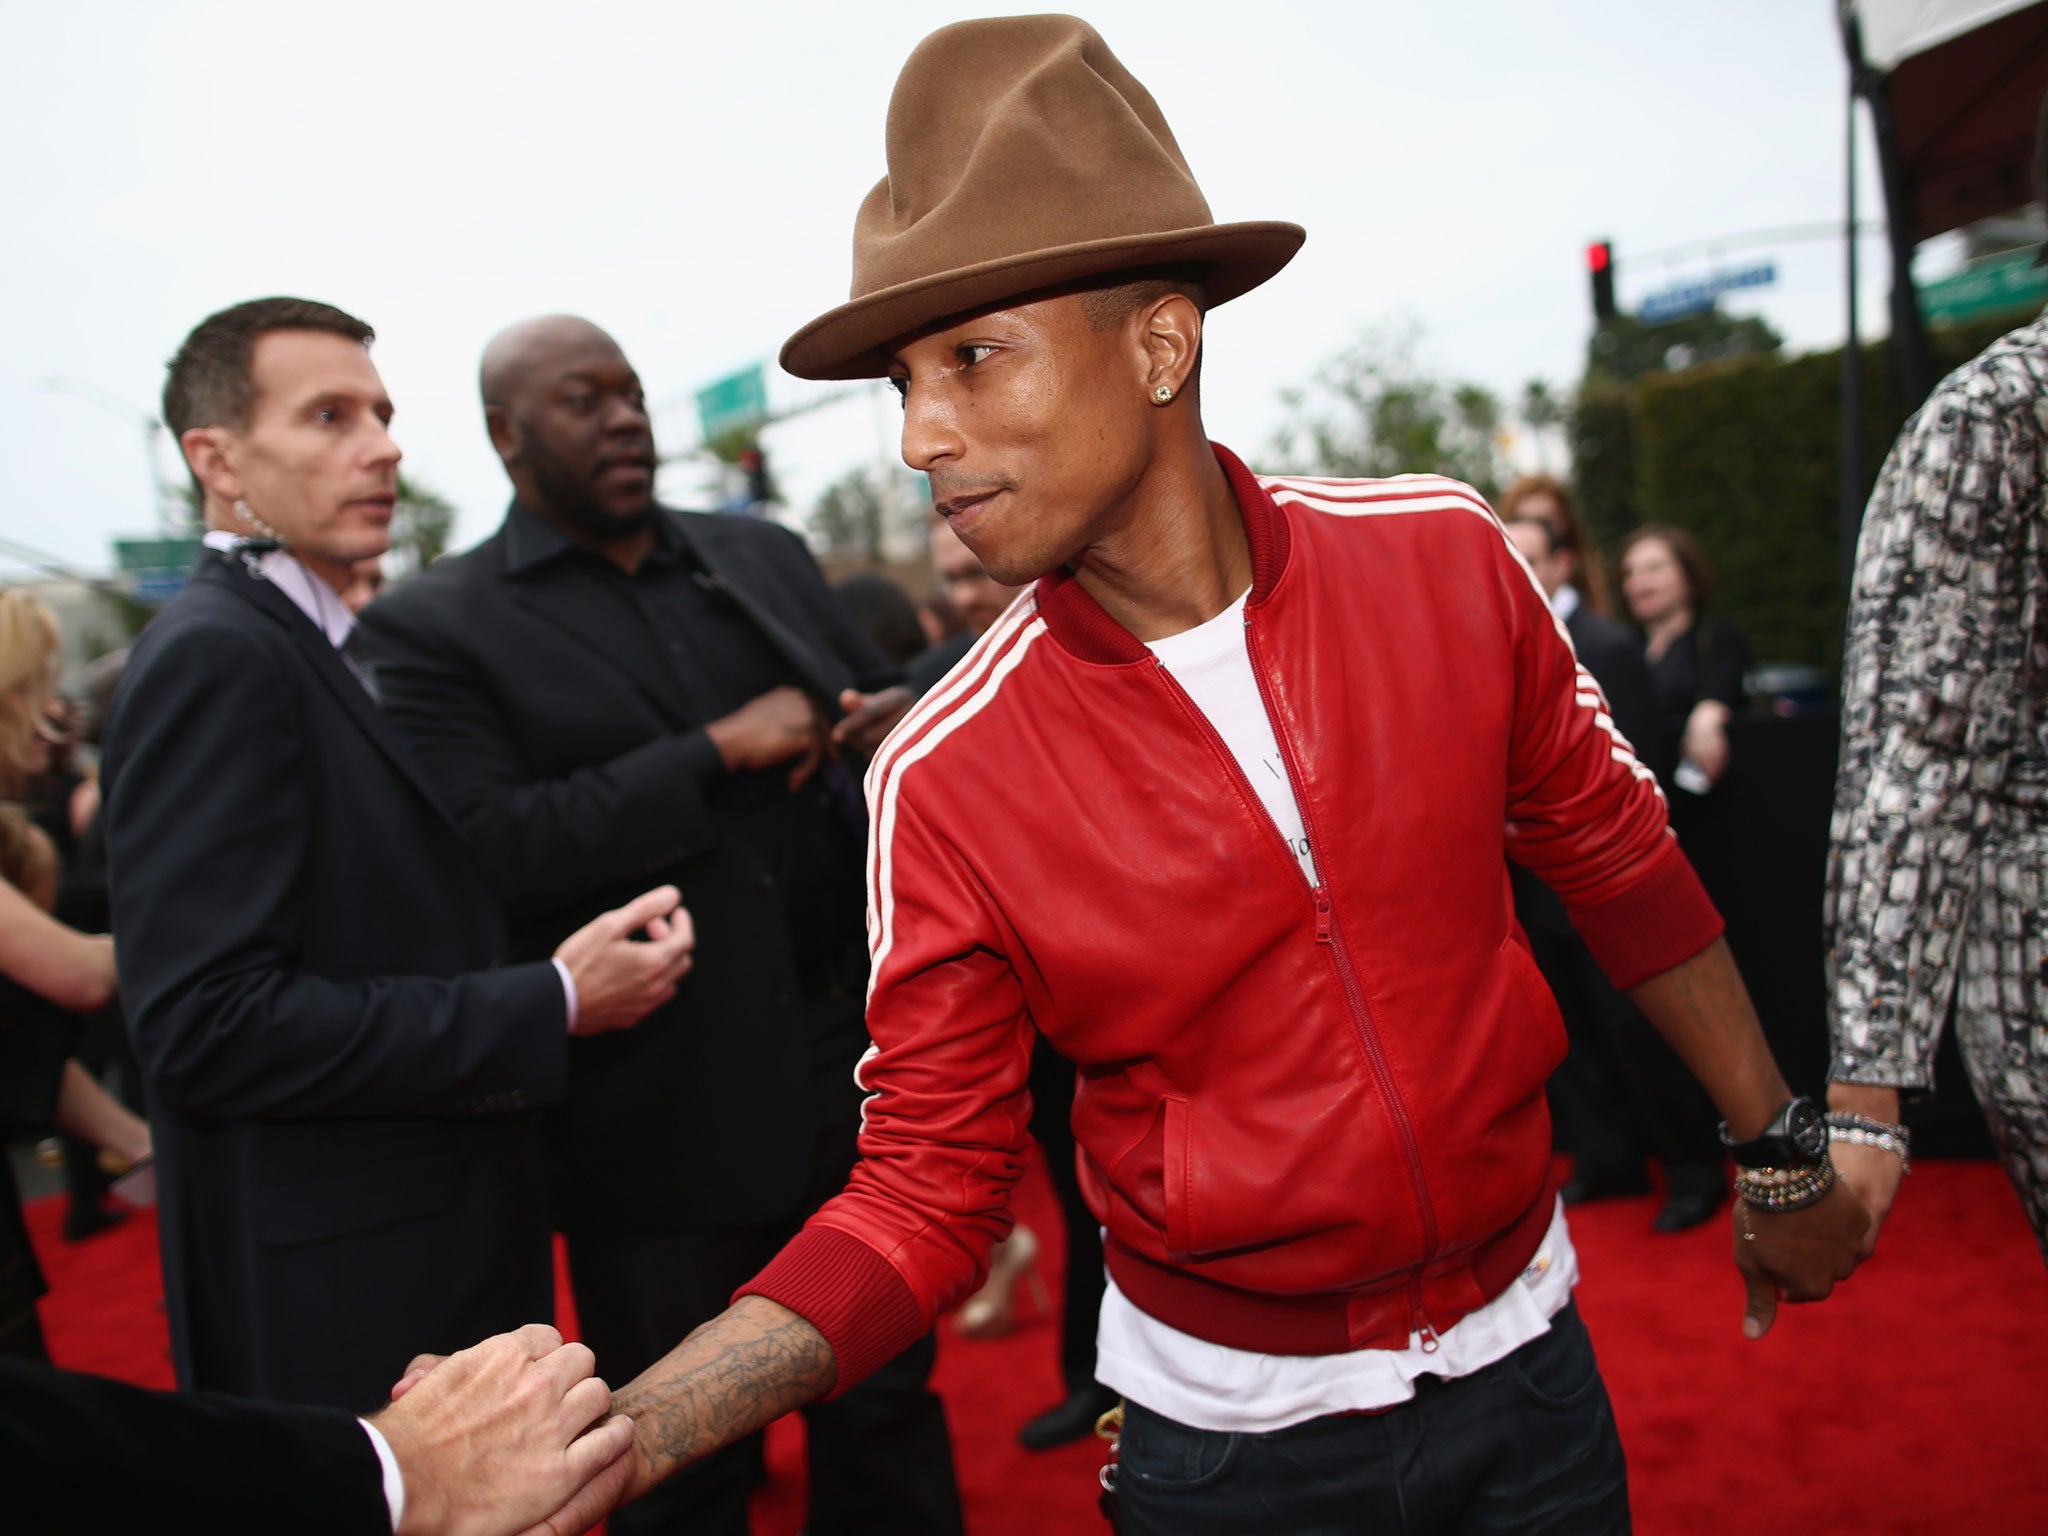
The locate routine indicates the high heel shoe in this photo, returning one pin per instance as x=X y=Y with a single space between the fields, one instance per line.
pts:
x=991 y=1311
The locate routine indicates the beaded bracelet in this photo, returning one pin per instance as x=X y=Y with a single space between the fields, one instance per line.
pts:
x=1791 y=1189
x=1774 y=1182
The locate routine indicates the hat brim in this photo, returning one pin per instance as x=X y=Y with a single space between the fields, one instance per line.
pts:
x=850 y=342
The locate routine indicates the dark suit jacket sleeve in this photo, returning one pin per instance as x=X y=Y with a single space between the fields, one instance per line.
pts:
x=81 y=1453
x=1724 y=660
x=546 y=844
x=209 y=822
x=871 y=670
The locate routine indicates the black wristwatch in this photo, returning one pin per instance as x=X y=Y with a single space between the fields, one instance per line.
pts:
x=1797 y=1137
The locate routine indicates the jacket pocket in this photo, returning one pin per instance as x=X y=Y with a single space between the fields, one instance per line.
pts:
x=1544 y=1039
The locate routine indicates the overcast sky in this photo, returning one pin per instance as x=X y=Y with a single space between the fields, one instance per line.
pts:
x=686 y=175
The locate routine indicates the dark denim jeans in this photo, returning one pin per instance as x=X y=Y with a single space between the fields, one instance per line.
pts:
x=1526 y=1446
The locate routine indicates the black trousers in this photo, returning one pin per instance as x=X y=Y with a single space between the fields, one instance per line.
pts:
x=1524 y=1447
x=102 y=1048
x=1622 y=1091
x=881 y=1460
x=1052 y=1124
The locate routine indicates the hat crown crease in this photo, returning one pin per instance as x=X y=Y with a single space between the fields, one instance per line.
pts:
x=975 y=177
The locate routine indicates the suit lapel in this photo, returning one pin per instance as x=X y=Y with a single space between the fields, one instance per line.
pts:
x=823 y=675
x=328 y=666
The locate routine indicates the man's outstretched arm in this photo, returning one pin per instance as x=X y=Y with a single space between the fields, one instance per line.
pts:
x=1702 y=1008
x=751 y=1364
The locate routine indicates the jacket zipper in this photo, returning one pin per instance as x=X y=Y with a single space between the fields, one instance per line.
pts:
x=1328 y=933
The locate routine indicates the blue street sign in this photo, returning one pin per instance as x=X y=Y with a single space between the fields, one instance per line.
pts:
x=156 y=587
x=1696 y=298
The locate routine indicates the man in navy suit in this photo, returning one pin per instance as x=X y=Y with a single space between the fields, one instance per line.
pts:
x=509 y=1436
x=344 y=1082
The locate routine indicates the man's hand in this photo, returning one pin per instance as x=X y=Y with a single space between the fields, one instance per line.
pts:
x=1797 y=1255
x=1706 y=738
x=1701 y=1007
x=780 y=726
x=869 y=717
x=621 y=979
x=1872 y=1172
x=498 y=1438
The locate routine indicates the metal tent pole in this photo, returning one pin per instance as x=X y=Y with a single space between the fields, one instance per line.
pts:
x=1852 y=347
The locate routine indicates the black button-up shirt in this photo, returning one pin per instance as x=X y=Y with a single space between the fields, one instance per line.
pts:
x=719 y=660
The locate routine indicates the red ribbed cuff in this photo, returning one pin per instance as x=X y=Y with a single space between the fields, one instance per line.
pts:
x=849 y=1293
x=1662 y=920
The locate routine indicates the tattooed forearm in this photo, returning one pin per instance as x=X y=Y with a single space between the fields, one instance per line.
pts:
x=1702 y=1008
x=751 y=1364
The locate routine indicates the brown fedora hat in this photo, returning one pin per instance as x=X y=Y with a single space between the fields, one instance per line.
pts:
x=1021 y=155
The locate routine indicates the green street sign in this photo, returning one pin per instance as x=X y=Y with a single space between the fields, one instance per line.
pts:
x=737 y=400
x=2008 y=281
x=134 y=555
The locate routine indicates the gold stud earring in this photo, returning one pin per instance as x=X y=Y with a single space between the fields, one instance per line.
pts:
x=1163 y=394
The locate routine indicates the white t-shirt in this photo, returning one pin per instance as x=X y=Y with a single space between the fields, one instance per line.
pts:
x=1211 y=1386
x=1214 y=668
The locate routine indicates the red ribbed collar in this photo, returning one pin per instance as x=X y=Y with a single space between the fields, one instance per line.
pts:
x=1079 y=623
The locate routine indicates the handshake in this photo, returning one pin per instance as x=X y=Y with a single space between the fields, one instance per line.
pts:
x=511 y=1437
x=515 y=1435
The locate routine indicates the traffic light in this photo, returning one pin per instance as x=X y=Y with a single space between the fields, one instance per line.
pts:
x=760 y=488
x=1600 y=263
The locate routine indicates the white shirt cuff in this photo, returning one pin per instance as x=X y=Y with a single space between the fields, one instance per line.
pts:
x=568 y=989
x=394 y=1480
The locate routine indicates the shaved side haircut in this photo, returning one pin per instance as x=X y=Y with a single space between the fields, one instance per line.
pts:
x=1110 y=304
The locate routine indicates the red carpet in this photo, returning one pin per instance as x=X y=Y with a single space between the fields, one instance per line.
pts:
x=1911 y=1403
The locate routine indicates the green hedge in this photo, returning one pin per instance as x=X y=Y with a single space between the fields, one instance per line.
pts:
x=1604 y=460
x=1746 y=456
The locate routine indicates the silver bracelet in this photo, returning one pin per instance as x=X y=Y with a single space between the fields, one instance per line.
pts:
x=1842 y=1120
x=1862 y=1131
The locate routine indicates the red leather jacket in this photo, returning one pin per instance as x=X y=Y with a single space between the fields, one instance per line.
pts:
x=1310 y=1120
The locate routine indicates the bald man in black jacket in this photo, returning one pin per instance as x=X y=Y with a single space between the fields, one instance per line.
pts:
x=608 y=692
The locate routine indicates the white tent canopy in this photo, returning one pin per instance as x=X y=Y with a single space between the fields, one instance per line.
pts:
x=1955 y=86
x=1896 y=30
x=1954 y=89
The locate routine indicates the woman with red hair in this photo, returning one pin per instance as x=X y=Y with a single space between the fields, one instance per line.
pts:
x=1548 y=500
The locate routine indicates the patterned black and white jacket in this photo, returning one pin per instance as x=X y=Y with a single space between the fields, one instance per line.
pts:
x=1945 y=712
